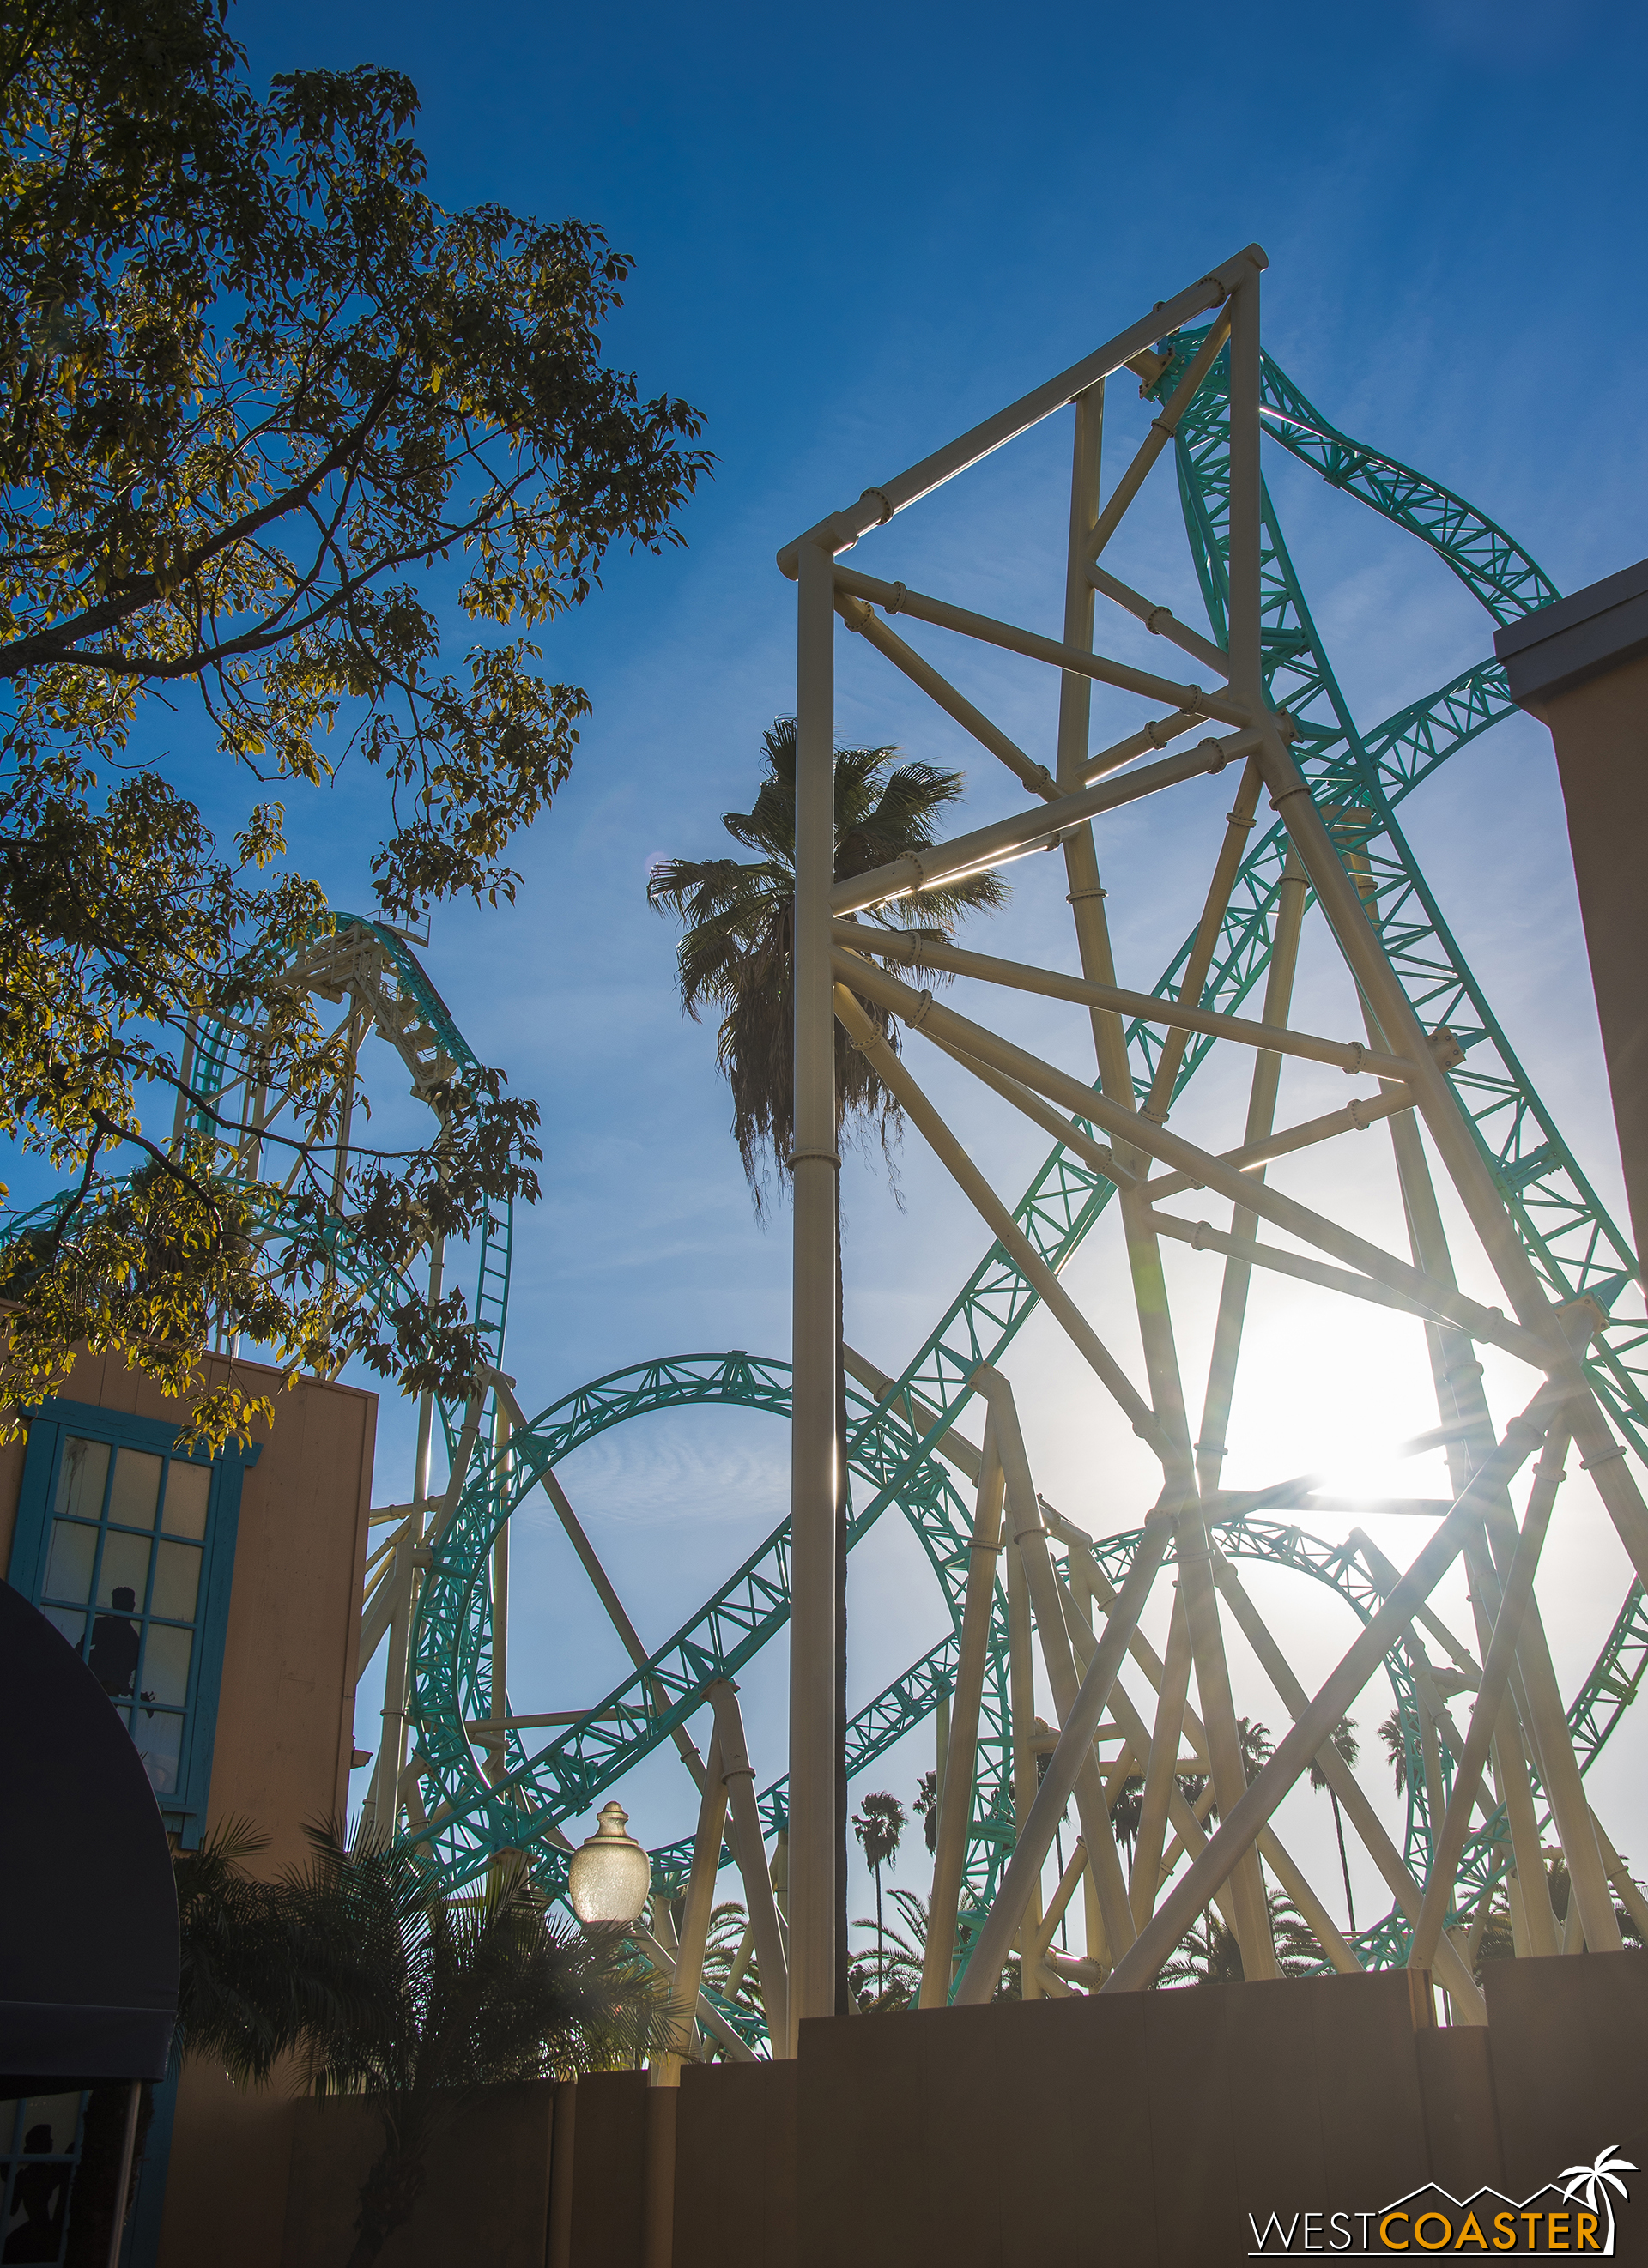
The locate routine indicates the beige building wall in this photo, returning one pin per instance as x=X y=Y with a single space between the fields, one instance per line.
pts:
x=1581 y=666
x=1600 y=733
x=281 y=1757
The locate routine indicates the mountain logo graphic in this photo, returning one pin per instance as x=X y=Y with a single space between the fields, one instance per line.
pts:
x=1572 y=2215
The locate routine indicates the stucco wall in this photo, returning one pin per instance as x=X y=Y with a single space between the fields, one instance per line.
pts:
x=281 y=1757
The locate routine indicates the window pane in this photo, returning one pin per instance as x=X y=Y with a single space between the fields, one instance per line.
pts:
x=125 y=1572
x=64 y=1619
x=59 y=2114
x=113 y=1655
x=69 y=1569
x=137 y=1489
x=177 y=1581
x=187 y=1487
x=166 y=1664
x=80 y=1481
x=159 y=1739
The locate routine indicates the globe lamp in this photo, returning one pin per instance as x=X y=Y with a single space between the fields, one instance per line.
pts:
x=611 y=1874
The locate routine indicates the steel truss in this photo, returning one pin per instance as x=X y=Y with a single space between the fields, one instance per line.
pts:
x=1575 y=1248
x=1537 y=1222
x=1555 y=1215
x=473 y=1786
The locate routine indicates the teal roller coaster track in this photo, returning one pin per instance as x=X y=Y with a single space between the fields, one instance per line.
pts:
x=1362 y=777
x=1575 y=1246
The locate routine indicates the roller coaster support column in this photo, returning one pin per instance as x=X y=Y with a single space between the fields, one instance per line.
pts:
x=816 y=1329
x=1196 y=1575
x=426 y=1399
x=1292 y=892
x=738 y=1778
x=695 y=1922
x=957 y=1771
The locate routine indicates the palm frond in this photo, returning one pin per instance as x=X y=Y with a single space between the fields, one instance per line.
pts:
x=736 y=919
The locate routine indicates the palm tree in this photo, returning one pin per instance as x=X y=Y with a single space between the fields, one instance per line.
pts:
x=242 y=1996
x=1395 y=1739
x=1345 y=1741
x=898 y=1954
x=1256 y=1745
x=926 y=1809
x=880 y=1829
x=1128 y=1812
x=232 y=1972
x=384 y=1987
x=738 y=916
x=1297 y=1951
x=1207 y=1953
x=432 y=1998
x=734 y=956
x=905 y=1954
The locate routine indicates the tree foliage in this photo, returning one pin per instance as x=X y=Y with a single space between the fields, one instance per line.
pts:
x=268 y=408
x=380 y=1985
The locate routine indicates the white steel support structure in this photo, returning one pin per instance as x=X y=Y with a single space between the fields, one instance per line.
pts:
x=817 y=1327
x=1180 y=1836
x=1215 y=1856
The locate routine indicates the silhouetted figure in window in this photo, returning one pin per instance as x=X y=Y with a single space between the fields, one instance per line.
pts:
x=113 y=1659
x=39 y=2194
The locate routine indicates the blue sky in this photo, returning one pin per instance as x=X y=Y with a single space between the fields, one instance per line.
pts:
x=856 y=233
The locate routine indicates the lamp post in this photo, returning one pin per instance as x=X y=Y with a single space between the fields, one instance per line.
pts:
x=610 y=1876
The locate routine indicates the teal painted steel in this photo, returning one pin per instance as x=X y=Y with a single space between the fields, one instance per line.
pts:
x=1358 y=778
x=564 y=1779
x=1574 y=1243
x=1369 y=773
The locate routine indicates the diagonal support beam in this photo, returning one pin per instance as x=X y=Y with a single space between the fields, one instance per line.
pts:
x=739 y=1779
x=1075 y=1741
x=697 y=1908
x=1348 y=1056
x=1007 y=839
x=1161 y=621
x=896 y=599
x=878 y=505
x=1161 y=1770
x=1452 y=1971
x=1162 y=429
x=1030 y=1539
x=1513 y=1606
x=955 y=1803
x=897 y=1078
x=1314 y=1729
x=967 y=1038
x=627 y=1632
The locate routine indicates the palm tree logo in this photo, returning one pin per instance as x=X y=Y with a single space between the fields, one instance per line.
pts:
x=1596 y=2180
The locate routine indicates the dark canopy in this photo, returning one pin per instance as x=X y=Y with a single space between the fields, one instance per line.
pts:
x=88 y=1911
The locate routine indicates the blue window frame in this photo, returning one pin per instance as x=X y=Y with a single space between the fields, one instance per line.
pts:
x=126 y=1544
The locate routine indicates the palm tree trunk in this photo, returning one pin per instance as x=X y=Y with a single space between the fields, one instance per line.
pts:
x=1344 y=1865
x=389 y=2198
x=881 y=1942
